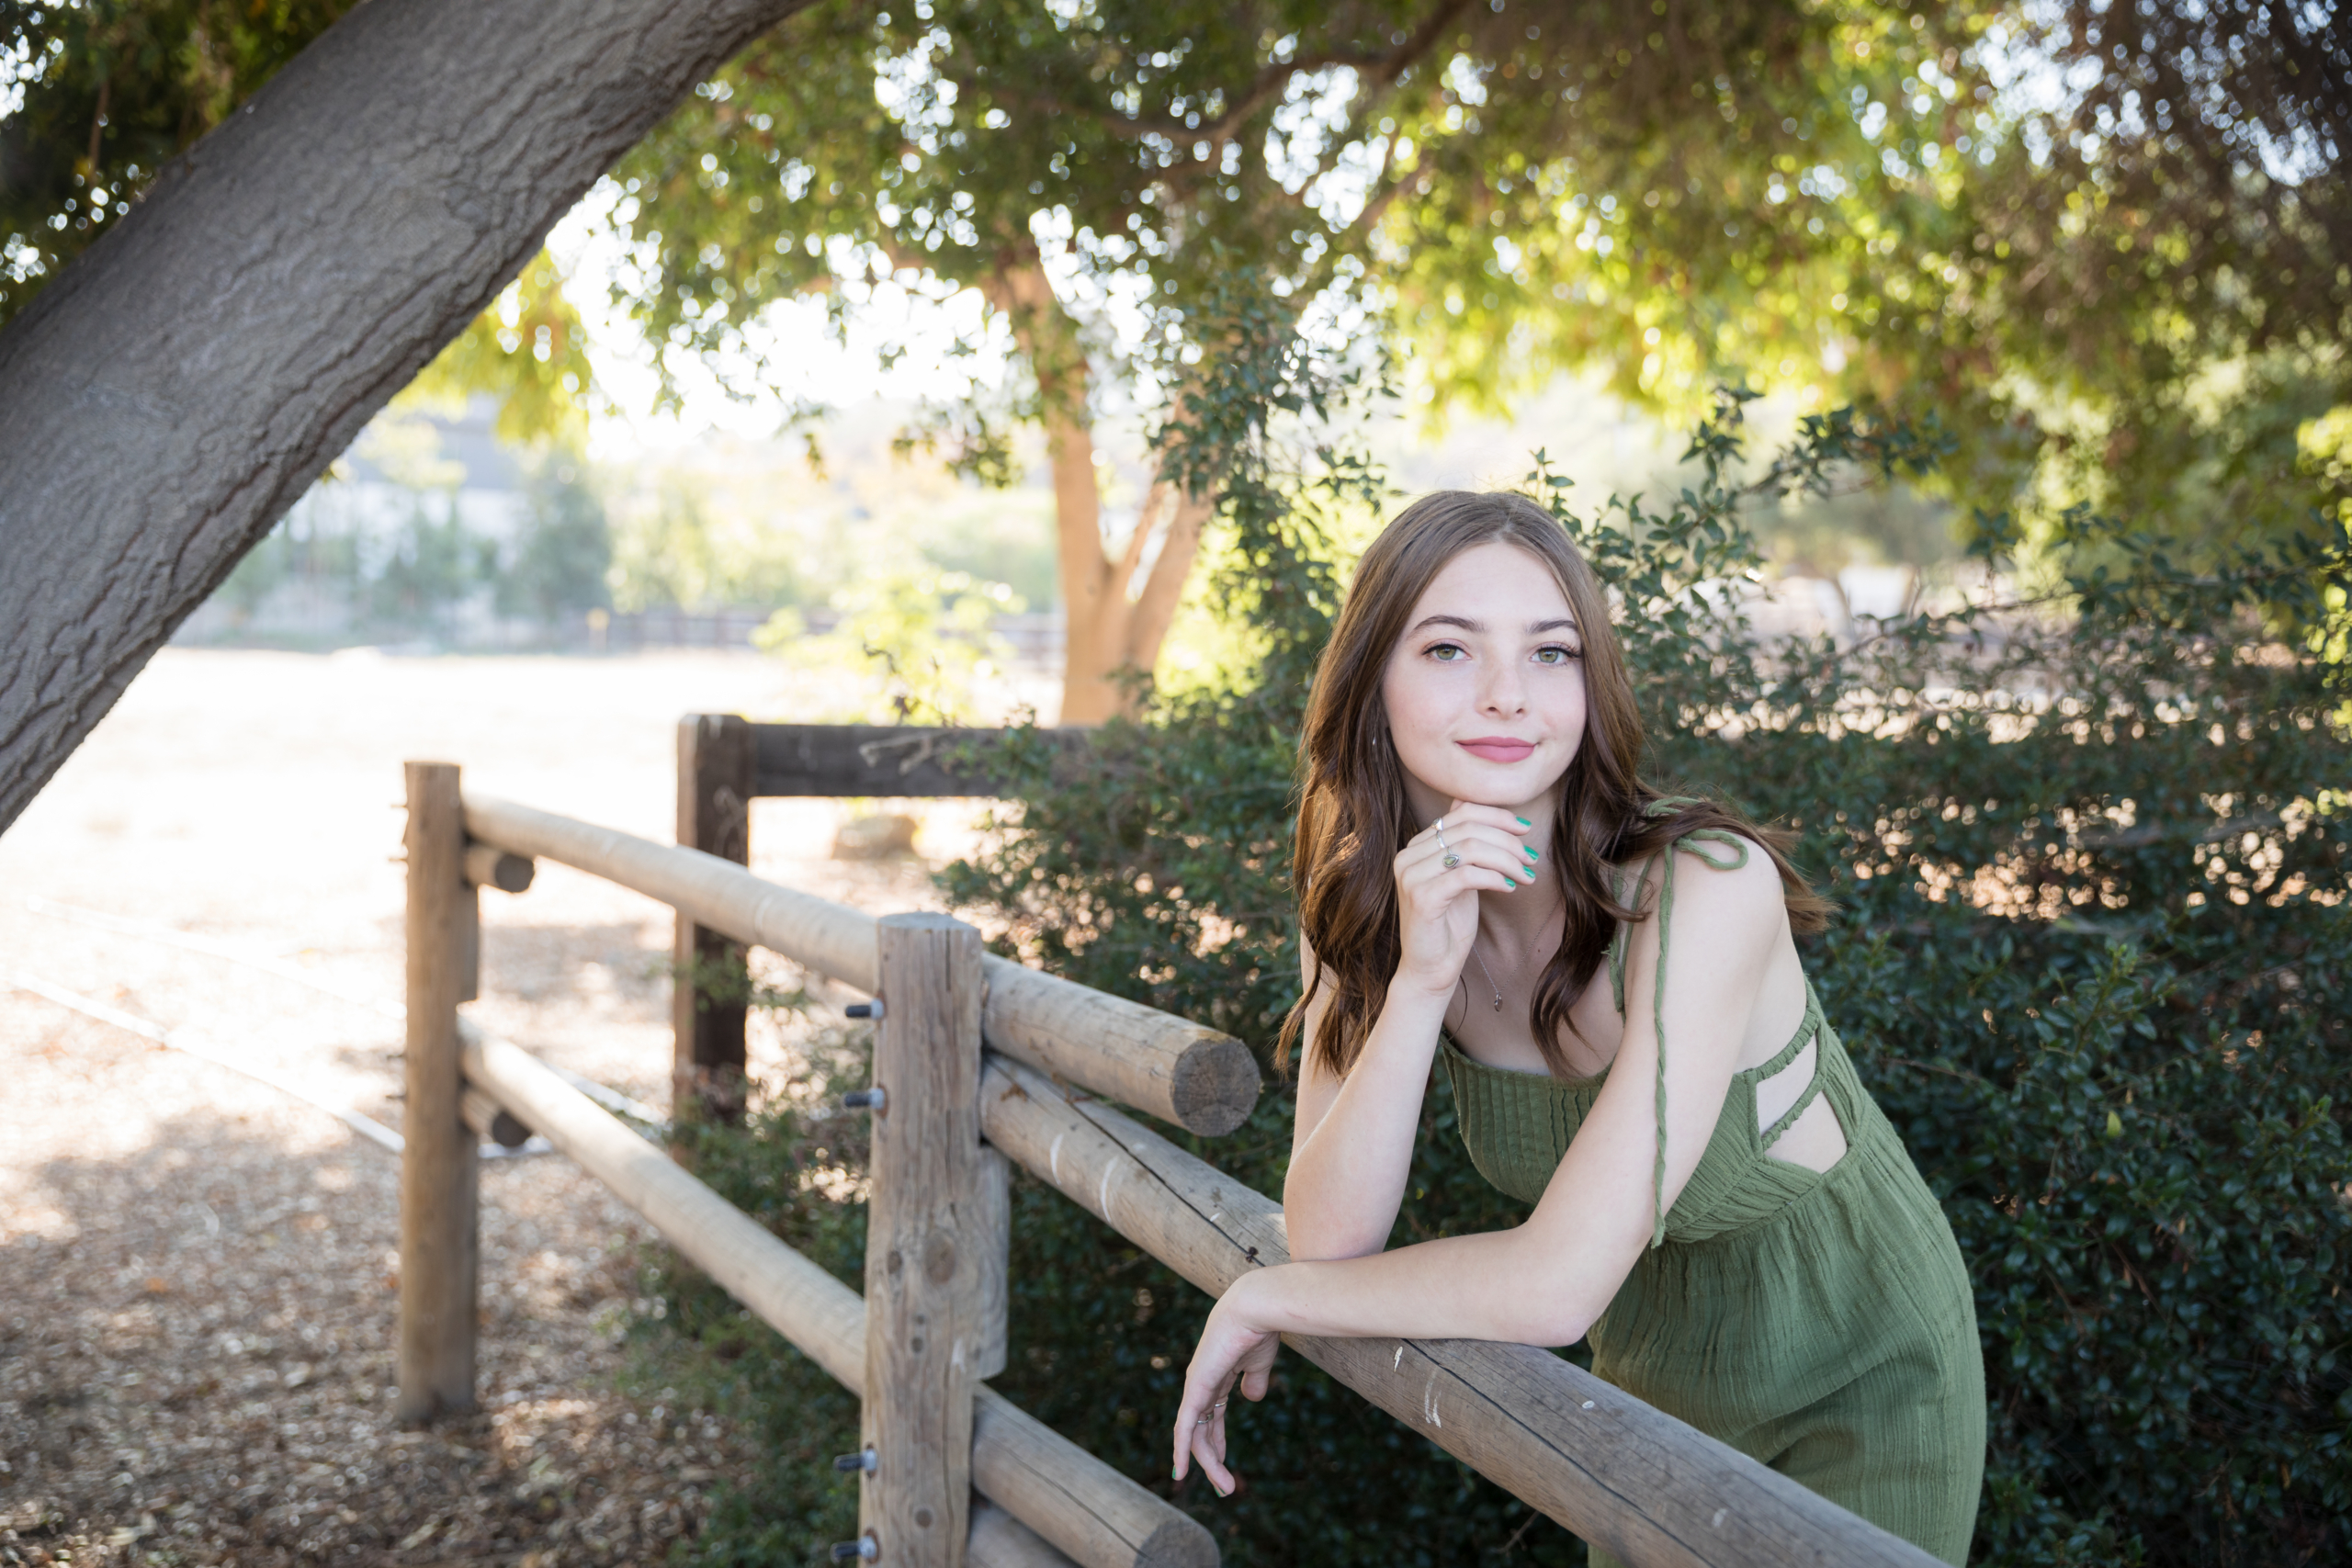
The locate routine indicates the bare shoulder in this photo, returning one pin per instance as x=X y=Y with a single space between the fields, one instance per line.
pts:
x=1730 y=893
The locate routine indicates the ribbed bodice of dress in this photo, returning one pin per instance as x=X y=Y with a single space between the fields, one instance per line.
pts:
x=1517 y=1126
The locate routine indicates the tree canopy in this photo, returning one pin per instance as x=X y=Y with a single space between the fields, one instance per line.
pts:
x=2103 y=240
x=2116 y=227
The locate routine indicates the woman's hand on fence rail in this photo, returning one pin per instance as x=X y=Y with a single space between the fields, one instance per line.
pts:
x=1589 y=1455
x=1235 y=1353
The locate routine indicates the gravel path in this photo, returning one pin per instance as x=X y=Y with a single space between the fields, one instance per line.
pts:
x=198 y=1272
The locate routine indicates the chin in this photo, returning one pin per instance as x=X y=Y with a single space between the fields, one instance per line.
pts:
x=1501 y=784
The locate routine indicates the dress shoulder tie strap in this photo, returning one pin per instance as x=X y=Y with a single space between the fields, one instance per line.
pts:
x=1688 y=841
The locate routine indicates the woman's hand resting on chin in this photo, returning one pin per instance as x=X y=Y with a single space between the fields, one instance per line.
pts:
x=1437 y=907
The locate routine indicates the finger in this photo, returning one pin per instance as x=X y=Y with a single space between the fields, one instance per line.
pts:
x=1511 y=846
x=1213 y=1463
x=1200 y=1399
x=1496 y=853
x=1188 y=1422
x=1470 y=814
x=1255 y=1382
x=1479 y=867
x=1516 y=845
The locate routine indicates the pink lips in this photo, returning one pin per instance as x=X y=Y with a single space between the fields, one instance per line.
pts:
x=1498 y=749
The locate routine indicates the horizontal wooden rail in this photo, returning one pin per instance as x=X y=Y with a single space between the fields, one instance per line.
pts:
x=914 y=761
x=1200 y=1080
x=1654 y=1492
x=999 y=1540
x=1067 y=1496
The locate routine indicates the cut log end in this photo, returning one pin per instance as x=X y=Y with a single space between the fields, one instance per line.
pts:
x=1179 y=1543
x=488 y=1119
x=489 y=866
x=1216 y=1086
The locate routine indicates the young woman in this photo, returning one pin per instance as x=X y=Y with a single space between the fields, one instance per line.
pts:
x=1611 y=980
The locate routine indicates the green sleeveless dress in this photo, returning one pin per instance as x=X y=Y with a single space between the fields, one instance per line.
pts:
x=1820 y=1322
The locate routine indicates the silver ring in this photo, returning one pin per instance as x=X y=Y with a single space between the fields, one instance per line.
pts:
x=1451 y=860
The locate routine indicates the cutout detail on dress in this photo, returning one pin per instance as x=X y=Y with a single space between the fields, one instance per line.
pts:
x=1768 y=1134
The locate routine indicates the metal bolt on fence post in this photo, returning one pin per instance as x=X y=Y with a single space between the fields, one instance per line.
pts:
x=851 y=1464
x=873 y=1100
x=864 y=1549
x=872 y=1009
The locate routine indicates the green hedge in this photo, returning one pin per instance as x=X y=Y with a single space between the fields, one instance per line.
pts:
x=2092 y=958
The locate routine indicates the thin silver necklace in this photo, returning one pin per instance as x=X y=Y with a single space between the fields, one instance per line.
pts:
x=1487 y=972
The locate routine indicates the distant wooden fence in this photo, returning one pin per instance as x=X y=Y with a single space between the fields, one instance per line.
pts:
x=724 y=764
x=977 y=1060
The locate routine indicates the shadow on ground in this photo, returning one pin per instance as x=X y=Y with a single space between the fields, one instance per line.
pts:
x=195 y=1351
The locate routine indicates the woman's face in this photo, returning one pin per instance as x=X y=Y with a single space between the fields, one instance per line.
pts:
x=1485 y=691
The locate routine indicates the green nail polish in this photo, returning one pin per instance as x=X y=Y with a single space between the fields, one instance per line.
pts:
x=1522 y=822
x=1531 y=854
x=1174 y=1473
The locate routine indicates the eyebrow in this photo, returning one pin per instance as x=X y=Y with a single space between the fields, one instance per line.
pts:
x=1470 y=625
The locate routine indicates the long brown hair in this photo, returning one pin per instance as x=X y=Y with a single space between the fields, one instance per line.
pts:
x=1353 y=814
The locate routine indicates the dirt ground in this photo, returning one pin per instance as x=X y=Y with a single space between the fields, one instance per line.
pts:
x=199 y=1273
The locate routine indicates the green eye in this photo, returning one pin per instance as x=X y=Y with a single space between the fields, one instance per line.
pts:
x=1555 y=654
x=1446 y=653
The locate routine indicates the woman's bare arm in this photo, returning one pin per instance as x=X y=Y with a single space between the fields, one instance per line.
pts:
x=1543 y=1283
x=1546 y=1281
x=1351 y=1146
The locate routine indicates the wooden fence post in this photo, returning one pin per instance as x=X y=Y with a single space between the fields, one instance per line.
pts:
x=439 y=1257
x=711 y=984
x=928 y=1234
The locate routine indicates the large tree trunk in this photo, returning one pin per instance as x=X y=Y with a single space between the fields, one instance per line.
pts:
x=184 y=381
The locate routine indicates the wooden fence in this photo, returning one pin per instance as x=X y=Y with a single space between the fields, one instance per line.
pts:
x=724 y=763
x=977 y=1061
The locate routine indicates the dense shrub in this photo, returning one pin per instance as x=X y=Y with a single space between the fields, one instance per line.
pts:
x=2093 y=959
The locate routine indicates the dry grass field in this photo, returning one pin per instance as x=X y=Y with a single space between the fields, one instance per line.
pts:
x=198 y=1271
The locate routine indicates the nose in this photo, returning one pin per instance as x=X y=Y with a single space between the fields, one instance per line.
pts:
x=1503 y=692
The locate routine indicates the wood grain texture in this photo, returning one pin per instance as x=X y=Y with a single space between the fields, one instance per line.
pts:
x=182 y=382
x=999 y=1540
x=1202 y=1080
x=992 y=1332
x=1166 y=1066
x=439 y=1245
x=467 y=940
x=709 y=988
x=1102 y=1517
x=1601 y=1462
x=832 y=939
x=926 y=1233
x=1040 y=1476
